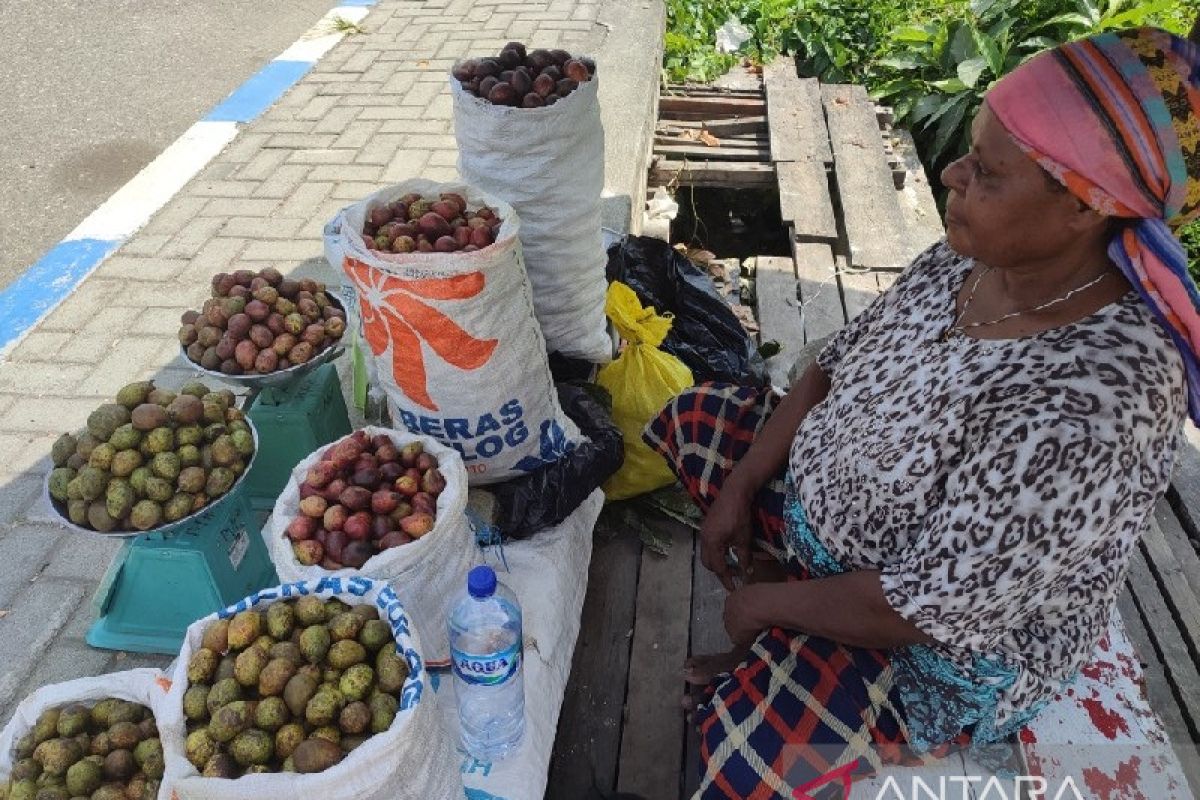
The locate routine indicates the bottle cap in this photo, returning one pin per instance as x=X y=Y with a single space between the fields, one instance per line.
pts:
x=481 y=582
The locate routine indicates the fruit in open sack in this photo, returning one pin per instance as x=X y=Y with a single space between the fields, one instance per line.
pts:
x=523 y=78
x=149 y=468
x=364 y=496
x=313 y=698
x=238 y=330
x=443 y=224
x=68 y=753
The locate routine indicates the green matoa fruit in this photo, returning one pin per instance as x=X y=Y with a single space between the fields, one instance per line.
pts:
x=189 y=455
x=288 y=738
x=59 y=478
x=275 y=676
x=159 y=440
x=137 y=479
x=243 y=442
x=83 y=778
x=271 y=714
x=160 y=490
x=315 y=643
x=356 y=682
x=221 y=765
x=199 y=747
x=161 y=397
x=222 y=693
x=244 y=629
x=324 y=707
x=146 y=514
x=62 y=449
x=77 y=511
x=345 y=626
x=189 y=434
x=195 y=703
x=119 y=498
x=310 y=610
x=46 y=727
x=280 y=620
x=383 y=711
x=229 y=721
x=85 y=443
x=390 y=670
x=298 y=691
x=220 y=481
x=178 y=507
x=202 y=666
x=165 y=466
x=374 y=635
x=57 y=755
x=126 y=437
x=315 y=755
x=92 y=482
x=346 y=653
x=125 y=462
x=252 y=746
x=99 y=518
x=355 y=718
x=195 y=389
x=102 y=456
x=249 y=665
x=102 y=422
x=73 y=720
x=134 y=394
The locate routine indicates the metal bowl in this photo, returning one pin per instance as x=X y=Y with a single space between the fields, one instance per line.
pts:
x=168 y=527
x=282 y=377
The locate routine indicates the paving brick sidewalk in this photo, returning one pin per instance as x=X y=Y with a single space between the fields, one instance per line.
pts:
x=375 y=110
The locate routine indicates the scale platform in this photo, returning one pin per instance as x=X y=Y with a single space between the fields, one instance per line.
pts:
x=160 y=583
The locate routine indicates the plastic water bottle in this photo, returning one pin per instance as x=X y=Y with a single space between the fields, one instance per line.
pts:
x=485 y=646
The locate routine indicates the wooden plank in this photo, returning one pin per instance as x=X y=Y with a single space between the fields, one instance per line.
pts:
x=858 y=289
x=775 y=291
x=820 y=303
x=794 y=115
x=589 y=726
x=804 y=200
x=1172 y=650
x=1158 y=690
x=652 y=737
x=758 y=140
x=723 y=152
x=669 y=107
x=707 y=636
x=1185 y=484
x=874 y=224
x=711 y=173
x=1173 y=580
x=730 y=127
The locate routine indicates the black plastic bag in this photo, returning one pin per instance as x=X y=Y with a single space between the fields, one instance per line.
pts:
x=547 y=496
x=705 y=334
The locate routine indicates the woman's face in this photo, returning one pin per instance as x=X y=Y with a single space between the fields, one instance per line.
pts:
x=1002 y=208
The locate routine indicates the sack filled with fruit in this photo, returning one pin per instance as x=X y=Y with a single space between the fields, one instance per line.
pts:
x=90 y=737
x=450 y=326
x=308 y=689
x=385 y=504
x=528 y=128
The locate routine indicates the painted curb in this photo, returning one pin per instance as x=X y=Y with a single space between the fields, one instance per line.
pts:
x=53 y=277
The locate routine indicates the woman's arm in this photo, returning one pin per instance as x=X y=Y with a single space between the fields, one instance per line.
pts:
x=728 y=522
x=848 y=608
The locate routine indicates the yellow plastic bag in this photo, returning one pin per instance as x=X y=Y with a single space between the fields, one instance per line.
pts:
x=641 y=380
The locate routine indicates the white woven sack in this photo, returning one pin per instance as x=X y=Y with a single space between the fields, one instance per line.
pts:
x=146 y=686
x=548 y=164
x=412 y=760
x=455 y=343
x=425 y=573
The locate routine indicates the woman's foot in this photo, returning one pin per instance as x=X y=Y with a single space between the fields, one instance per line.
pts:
x=699 y=670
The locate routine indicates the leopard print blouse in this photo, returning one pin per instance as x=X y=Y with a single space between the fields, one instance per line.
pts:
x=999 y=486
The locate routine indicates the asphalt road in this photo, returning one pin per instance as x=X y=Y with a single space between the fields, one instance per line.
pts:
x=91 y=92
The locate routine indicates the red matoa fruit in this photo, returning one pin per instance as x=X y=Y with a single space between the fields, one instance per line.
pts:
x=445 y=244
x=478 y=222
x=462 y=236
x=407 y=485
x=367 y=477
x=532 y=100
x=409 y=453
x=334 y=543
x=301 y=529
x=321 y=473
x=308 y=552
x=576 y=71
x=384 y=501
x=313 y=506
x=356 y=498
x=378 y=441
x=486 y=67
x=327 y=454
x=362 y=438
x=389 y=471
x=387 y=452
x=544 y=85
x=424 y=246
x=433 y=482
x=414 y=473
x=417 y=525
x=347 y=451
x=455 y=198
x=322 y=536
x=358 y=525
x=335 y=518
x=381 y=526
x=402 y=511
x=310 y=491
x=425 y=462
x=334 y=490
x=394 y=539
x=433 y=225
x=424 y=503
x=445 y=209
x=380 y=215
x=470 y=248
x=481 y=237
x=355 y=554
x=366 y=461
x=331 y=565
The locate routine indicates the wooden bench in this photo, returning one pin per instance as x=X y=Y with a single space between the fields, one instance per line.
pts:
x=858 y=207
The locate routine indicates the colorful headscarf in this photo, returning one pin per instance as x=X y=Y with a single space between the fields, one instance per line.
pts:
x=1116 y=119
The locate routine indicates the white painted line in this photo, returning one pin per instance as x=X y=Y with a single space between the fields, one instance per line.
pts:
x=131 y=206
x=321 y=38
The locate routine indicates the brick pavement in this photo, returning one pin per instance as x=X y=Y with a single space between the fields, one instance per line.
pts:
x=374 y=110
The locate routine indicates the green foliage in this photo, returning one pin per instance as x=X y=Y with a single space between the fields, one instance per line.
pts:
x=1190 y=236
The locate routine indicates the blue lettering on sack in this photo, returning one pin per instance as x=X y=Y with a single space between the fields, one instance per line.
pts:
x=487 y=424
x=410 y=421
x=359 y=586
x=472 y=765
x=516 y=434
x=265 y=594
x=330 y=583
x=297 y=588
x=490 y=447
x=511 y=411
x=431 y=426
x=458 y=428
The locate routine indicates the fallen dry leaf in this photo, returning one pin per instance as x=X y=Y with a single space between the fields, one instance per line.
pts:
x=708 y=139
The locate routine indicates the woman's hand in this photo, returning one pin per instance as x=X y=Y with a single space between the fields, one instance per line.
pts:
x=727 y=525
x=747 y=613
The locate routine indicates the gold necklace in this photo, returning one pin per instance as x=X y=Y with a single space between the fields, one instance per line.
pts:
x=960 y=329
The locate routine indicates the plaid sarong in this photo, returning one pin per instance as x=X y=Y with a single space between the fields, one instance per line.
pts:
x=800 y=707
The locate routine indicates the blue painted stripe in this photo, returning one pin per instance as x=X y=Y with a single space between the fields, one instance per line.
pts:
x=48 y=282
x=258 y=93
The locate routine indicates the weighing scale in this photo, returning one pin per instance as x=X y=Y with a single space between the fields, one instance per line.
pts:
x=165 y=579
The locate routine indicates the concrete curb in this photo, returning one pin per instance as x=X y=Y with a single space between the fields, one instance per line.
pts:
x=53 y=277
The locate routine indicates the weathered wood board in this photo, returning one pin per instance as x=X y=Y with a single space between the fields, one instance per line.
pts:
x=794 y=115
x=776 y=293
x=804 y=200
x=820 y=299
x=711 y=173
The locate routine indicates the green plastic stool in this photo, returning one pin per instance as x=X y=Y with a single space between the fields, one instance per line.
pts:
x=160 y=583
x=292 y=422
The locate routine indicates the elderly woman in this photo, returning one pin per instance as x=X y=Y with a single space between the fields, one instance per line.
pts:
x=954 y=489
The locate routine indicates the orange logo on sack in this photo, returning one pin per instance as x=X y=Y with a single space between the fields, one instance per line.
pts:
x=392 y=314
